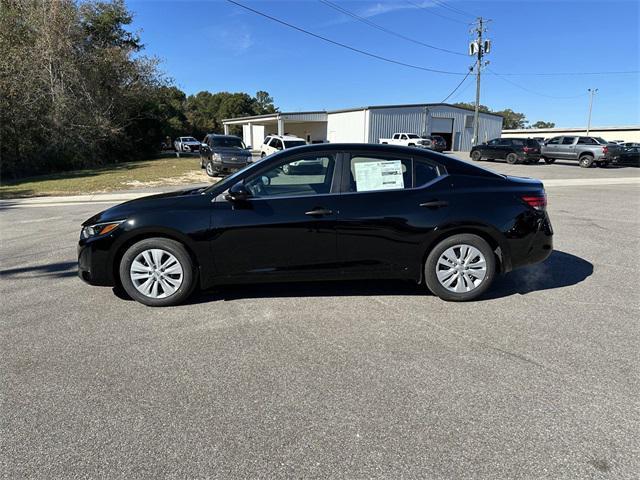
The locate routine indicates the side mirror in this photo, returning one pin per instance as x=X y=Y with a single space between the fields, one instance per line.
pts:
x=238 y=193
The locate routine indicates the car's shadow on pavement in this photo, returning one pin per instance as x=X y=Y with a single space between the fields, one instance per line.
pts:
x=49 y=270
x=559 y=270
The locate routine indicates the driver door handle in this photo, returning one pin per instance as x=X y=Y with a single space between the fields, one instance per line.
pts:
x=319 y=212
x=435 y=204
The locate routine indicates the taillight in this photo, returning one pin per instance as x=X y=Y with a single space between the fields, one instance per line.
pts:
x=539 y=201
x=605 y=149
x=527 y=149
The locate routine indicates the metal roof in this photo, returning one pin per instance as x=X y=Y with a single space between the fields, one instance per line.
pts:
x=410 y=105
x=573 y=129
x=274 y=116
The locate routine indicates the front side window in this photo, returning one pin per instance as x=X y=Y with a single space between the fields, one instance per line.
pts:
x=554 y=141
x=568 y=140
x=375 y=173
x=303 y=176
x=276 y=143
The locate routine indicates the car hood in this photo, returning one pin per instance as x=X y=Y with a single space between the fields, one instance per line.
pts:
x=151 y=202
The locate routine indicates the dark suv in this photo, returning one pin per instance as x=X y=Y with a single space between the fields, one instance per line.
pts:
x=513 y=150
x=438 y=143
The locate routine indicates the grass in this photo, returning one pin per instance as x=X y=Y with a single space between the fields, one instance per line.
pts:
x=122 y=176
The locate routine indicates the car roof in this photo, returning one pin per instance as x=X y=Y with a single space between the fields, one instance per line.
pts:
x=219 y=135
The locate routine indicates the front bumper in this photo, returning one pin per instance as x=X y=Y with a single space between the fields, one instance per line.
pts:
x=229 y=166
x=94 y=261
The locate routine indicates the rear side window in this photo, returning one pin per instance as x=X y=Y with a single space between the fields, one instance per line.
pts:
x=568 y=140
x=532 y=143
x=517 y=142
x=424 y=172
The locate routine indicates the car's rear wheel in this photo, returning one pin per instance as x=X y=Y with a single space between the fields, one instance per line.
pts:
x=460 y=268
x=157 y=272
x=585 y=161
x=548 y=161
x=512 y=158
x=476 y=156
x=286 y=169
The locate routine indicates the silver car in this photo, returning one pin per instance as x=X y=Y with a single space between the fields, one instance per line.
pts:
x=223 y=154
x=587 y=151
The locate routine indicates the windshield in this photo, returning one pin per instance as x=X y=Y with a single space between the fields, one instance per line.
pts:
x=412 y=135
x=188 y=139
x=228 y=142
x=294 y=143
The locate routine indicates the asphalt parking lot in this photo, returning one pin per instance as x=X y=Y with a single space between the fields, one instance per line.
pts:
x=539 y=379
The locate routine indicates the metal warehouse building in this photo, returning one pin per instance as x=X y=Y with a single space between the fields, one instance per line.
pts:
x=369 y=124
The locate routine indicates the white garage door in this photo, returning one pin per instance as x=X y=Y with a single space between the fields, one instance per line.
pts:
x=442 y=125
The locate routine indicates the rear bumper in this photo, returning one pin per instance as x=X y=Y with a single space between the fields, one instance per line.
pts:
x=534 y=247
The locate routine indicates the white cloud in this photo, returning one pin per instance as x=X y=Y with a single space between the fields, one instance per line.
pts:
x=236 y=38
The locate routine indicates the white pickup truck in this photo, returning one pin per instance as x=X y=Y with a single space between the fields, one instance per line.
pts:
x=407 y=140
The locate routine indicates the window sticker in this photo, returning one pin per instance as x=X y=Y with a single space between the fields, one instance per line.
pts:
x=379 y=175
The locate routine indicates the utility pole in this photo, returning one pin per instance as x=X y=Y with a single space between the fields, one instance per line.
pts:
x=592 y=92
x=478 y=48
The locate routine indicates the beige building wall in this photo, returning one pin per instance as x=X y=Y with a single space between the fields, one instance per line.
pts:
x=627 y=134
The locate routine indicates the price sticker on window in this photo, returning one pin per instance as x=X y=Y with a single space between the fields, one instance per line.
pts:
x=379 y=175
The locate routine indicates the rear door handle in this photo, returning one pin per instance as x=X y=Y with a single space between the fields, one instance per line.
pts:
x=435 y=204
x=319 y=212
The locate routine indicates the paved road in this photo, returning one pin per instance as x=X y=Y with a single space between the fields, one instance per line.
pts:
x=353 y=380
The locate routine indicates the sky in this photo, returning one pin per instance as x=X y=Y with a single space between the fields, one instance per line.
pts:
x=217 y=46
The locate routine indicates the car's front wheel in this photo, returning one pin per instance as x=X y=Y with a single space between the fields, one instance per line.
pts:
x=210 y=169
x=476 y=156
x=548 y=161
x=460 y=268
x=157 y=272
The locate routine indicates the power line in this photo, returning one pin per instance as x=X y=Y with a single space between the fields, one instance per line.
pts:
x=453 y=9
x=501 y=77
x=386 y=30
x=343 y=45
x=431 y=10
x=458 y=86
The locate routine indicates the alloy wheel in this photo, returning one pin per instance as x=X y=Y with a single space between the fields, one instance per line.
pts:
x=209 y=168
x=156 y=273
x=461 y=268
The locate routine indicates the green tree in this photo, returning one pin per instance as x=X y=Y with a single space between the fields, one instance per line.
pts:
x=542 y=124
x=472 y=106
x=512 y=119
x=264 y=103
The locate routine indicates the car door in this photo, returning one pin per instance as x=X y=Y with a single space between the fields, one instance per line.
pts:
x=285 y=230
x=384 y=219
x=567 y=149
x=489 y=149
x=552 y=148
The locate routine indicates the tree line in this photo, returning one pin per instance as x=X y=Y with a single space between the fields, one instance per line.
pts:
x=77 y=91
x=510 y=119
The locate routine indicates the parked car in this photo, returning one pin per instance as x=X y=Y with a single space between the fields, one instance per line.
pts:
x=407 y=140
x=221 y=154
x=587 y=151
x=186 y=145
x=438 y=143
x=374 y=211
x=629 y=144
x=275 y=143
x=513 y=150
x=629 y=156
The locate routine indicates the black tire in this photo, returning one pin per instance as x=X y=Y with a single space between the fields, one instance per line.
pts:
x=603 y=164
x=512 y=158
x=211 y=170
x=176 y=249
x=476 y=156
x=286 y=169
x=262 y=155
x=585 y=161
x=431 y=266
x=548 y=161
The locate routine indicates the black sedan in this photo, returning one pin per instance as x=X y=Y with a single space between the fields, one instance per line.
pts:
x=370 y=211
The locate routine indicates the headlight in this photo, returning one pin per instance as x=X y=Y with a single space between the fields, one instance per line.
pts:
x=216 y=156
x=99 y=229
